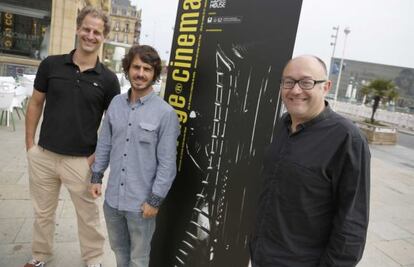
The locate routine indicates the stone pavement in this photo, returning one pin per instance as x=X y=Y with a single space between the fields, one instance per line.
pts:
x=16 y=212
x=390 y=238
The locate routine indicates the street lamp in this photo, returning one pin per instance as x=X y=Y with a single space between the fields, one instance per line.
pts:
x=346 y=31
x=335 y=37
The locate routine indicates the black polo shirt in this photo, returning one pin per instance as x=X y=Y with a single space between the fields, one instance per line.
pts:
x=313 y=210
x=75 y=102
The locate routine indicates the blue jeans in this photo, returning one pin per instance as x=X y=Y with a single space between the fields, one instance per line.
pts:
x=130 y=236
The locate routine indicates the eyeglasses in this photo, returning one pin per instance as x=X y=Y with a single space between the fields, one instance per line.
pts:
x=305 y=84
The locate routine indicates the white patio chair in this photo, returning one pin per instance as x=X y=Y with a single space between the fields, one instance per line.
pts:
x=8 y=79
x=6 y=86
x=27 y=81
x=19 y=100
x=6 y=107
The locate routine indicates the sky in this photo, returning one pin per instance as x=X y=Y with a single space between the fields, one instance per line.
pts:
x=381 y=31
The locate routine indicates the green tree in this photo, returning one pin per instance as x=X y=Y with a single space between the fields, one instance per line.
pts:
x=380 y=90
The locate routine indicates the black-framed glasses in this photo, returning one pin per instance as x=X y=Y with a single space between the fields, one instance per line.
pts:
x=305 y=84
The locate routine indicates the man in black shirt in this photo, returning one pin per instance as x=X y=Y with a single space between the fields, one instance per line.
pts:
x=313 y=210
x=76 y=89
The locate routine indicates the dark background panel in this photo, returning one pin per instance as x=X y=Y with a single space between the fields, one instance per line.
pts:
x=208 y=214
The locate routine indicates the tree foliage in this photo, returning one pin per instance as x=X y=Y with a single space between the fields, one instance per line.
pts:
x=380 y=90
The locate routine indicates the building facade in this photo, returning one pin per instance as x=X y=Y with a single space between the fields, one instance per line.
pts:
x=356 y=74
x=125 y=30
x=31 y=30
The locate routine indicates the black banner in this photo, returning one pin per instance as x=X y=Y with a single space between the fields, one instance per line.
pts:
x=223 y=81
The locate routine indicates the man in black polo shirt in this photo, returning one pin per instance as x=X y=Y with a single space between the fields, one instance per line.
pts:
x=313 y=210
x=76 y=89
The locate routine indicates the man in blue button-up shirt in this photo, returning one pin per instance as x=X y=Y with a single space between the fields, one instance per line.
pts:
x=138 y=141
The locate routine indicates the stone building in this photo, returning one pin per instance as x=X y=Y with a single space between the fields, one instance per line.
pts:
x=31 y=30
x=125 y=30
x=355 y=74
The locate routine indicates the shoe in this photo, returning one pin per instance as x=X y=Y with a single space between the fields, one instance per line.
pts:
x=95 y=265
x=35 y=263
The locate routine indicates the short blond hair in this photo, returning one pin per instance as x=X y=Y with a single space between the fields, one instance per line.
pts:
x=96 y=13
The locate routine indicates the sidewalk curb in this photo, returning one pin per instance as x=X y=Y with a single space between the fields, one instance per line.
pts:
x=405 y=131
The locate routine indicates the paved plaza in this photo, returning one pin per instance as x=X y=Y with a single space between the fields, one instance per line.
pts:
x=391 y=230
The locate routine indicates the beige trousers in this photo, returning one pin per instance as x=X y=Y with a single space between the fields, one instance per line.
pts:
x=47 y=171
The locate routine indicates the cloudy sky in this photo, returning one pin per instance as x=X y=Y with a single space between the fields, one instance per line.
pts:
x=382 y=31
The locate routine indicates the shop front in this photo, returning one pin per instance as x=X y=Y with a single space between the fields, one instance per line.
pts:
x=24 y=35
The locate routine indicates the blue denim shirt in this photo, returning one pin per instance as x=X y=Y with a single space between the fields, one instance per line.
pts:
x=138 y=141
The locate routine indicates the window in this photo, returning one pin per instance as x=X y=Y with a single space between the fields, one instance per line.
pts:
x=22 y=35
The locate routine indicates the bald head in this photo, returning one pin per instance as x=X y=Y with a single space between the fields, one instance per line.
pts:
x=306 y=99
x=311 y=61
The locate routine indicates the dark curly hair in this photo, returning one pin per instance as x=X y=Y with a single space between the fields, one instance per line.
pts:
x=147 y=54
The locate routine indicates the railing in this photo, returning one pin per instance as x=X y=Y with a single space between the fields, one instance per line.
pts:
x=399 y=119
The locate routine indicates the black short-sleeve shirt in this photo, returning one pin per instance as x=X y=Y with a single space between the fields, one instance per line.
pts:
x=75 y=102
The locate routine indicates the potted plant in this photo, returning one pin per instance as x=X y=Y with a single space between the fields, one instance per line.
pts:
x=385 y=91
x=381 y=91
